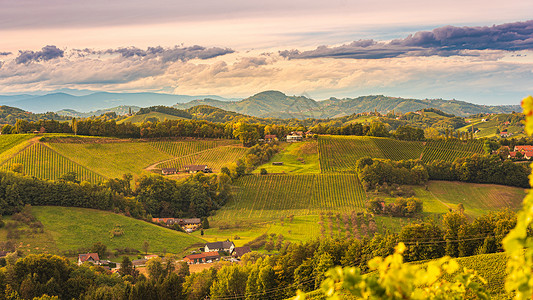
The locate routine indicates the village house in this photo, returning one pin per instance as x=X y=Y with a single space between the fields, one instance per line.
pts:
x=240 y=251
x=524 y=148
x=89 y=257
x=202 y=257
x=226 y=246
x=270 y=138
x=168 y=171
x=148 y=257
x=197 y=168
x=294 y=138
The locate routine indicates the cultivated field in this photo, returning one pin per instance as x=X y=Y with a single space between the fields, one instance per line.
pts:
x=8 y=141
x=214 y=158
x=340 y=153
x=68 y=228
x=268 y=197
x=41 y=161
x=187 y=147
x=448 y=150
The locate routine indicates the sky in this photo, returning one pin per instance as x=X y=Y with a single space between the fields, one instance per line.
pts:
x=475 y=51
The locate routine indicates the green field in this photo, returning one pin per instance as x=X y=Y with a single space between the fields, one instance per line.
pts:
x=187 y=147
x=68 y=228
x=296 y=158
x=112 y=159
x=40 y=161
x=449 y=150
x=340 y=153
x=8 y=141
x=214 y=158
x=265 y=197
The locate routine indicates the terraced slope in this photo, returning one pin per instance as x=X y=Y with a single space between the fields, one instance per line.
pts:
x=42 y=162
x=187 y=147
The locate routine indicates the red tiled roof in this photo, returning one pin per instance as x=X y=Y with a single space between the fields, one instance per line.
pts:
x=85 y=257
x=523 y=148
x=212 y=254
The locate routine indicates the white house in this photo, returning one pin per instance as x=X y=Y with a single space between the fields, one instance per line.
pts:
x=220 y=246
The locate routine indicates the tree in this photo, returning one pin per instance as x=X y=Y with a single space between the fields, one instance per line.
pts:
x=154 y=267
x=17 y=168
x=74 y=126
x=126 y=267
x=145 y=247
x=99 y=248
x=247 y=133
x=263 y=171
x=69 y=177
x=205 y=223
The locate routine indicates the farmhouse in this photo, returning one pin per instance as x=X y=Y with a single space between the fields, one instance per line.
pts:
x=524 y=148
x=148 y=257
x=168 y=171
x=270 y=137
x=240 y=251
x=202 y=257
x=89 y=257
x=294 y=138
x=277 y=163
x=197 y=168
x=220 y=246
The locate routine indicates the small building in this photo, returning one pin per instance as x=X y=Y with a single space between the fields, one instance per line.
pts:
x=139 y=262
x=202 y=257
x=148 y=257
x=270 y=138
x=226 y=246
x=89 y=257
x=294 y=138
x=168 y=171
x=197 y=168
x=277 y=163
x=523 y=148
x=240 y=251
x=188 y=225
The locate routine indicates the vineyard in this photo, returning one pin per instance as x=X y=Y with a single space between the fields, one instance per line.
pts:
x=40 y=161
x=214 y=158
x=182 y=148
x=399 y=150
x=8 y=141
x=112 y=159
x=449 y=150
x=271 y=196
x=340 y=153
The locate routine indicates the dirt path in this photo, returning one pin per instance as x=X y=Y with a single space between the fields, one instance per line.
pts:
x=443 y=203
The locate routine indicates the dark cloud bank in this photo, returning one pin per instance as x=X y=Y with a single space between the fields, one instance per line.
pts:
x=46 y=53
x=443 y=41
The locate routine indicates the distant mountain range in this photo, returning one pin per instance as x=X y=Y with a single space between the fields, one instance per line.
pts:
x=278 y=105
x=272 y=104
x=95 y=101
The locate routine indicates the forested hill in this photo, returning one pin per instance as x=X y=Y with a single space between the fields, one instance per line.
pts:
x=275 y=104
x=9 y=115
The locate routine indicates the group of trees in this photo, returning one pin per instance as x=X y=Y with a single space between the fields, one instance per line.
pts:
x=480 y=169
x=401 y=207
x=376 y=172
x=373 y=173
x=195 y=196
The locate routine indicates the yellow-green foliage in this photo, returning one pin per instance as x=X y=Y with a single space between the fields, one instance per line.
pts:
x=8 y=141
x=40 y=161
x=214 y=158
x=393 y=279
x=449 y=150
x=517 y=243
x=271 y=196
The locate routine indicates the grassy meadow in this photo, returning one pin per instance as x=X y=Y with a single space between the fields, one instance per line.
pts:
x=297 y=158
x=69 y=228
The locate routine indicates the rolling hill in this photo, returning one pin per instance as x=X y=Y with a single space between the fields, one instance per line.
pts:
x=68 y=228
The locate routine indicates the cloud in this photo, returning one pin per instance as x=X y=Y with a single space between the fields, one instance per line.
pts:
x=47 y=53
x=442 y=41
x=172 y=54
x=5 y=53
